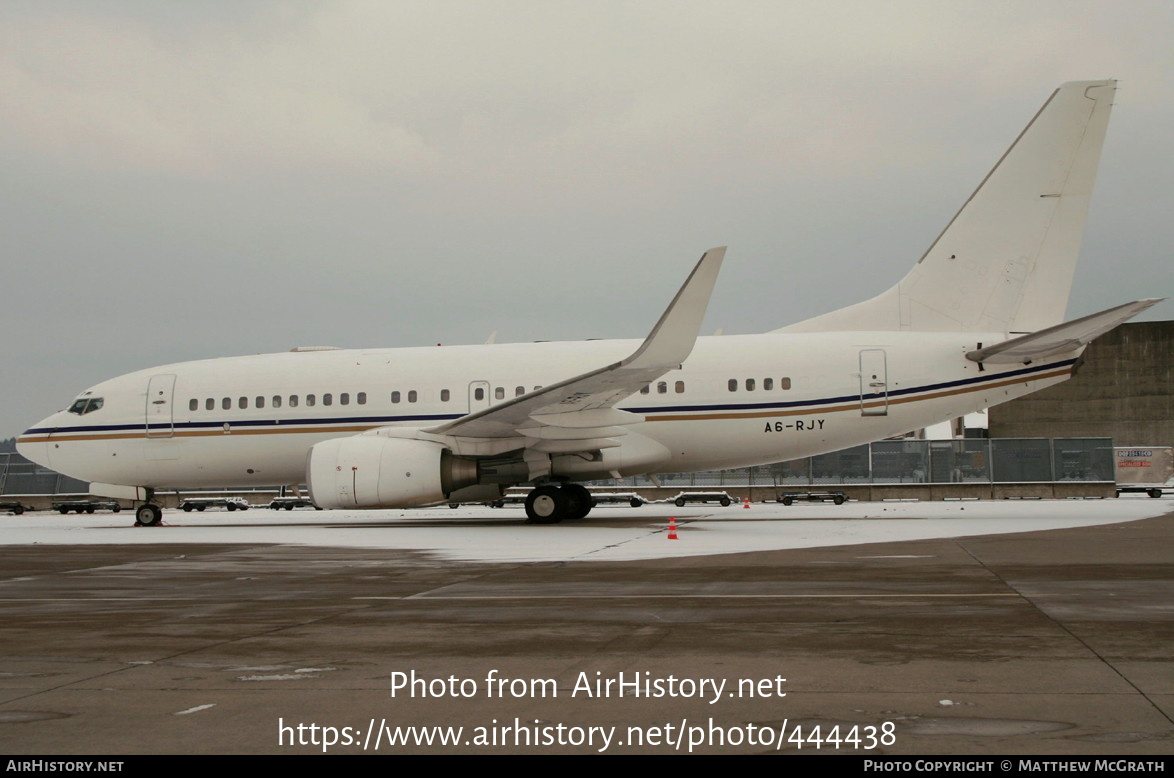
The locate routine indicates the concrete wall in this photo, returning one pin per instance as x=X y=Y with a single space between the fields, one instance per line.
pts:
x=1123 y=391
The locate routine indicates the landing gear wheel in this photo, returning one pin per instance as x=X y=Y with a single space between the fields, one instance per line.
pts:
x=579 y=502
x=148 y=515
x=546 y=505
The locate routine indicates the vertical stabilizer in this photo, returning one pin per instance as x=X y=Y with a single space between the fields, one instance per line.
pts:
x=1005 y=262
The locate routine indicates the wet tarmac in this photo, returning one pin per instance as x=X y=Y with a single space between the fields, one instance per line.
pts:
x=1048 y=642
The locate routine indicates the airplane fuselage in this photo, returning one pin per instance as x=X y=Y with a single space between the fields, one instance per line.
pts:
x=737 y=401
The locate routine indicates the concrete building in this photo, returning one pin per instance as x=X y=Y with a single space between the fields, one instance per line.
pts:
x=1122 y=391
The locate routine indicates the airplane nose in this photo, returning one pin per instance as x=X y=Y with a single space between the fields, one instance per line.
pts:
x=33 y=443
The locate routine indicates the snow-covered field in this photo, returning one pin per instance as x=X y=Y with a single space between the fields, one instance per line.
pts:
x=484 y=534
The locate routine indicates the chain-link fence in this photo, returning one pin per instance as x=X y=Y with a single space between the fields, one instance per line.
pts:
x=984 y=461
x=20 y=476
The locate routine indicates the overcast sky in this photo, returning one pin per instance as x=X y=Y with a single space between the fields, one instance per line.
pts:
x=190 y=180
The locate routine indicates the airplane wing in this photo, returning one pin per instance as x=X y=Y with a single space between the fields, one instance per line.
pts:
x=579 y=414
x=1061 y=338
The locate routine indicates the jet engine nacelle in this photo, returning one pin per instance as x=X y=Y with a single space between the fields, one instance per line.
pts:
x=368 y=471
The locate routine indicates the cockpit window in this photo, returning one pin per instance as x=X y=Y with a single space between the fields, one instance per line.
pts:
x=85 y=405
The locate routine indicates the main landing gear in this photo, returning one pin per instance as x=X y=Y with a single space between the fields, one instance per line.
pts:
x=148 y=515
x=551 y=503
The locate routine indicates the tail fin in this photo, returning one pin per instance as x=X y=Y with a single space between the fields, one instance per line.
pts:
x=1005 y=262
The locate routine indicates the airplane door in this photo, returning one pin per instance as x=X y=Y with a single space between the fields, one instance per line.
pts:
x=478 y=395
x=160 y=394
x=874 y=383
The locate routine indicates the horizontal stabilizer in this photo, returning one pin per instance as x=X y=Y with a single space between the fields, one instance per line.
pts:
x=1060 y=339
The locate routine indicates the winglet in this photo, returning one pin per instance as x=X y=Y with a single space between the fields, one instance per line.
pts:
x=666 y=348
x=671 y=340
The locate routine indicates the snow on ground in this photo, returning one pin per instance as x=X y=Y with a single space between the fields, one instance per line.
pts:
x=610 y=534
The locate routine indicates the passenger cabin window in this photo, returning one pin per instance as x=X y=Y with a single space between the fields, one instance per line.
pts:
x=519 y=391
x=310 y=399
x=499 y=393
x=395 y=397
x=680 y=387
x=226 y=403
x=242 y=402
x=733 y=384
x=344 y=399
x=645 y=389
x=662 y=387
x=293 y=401
x=444 y=395
x=479 y=393
x=277 y=401
x=784 y=383
x=749 y=384
x=210 y=404
x=768 y=384
x=328 y=399
x=412 y=396
x=361 y=398
x=193 y=405
x=259 y=402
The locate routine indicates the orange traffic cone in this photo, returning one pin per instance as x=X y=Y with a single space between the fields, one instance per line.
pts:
x=746 y=504
x=673 y=528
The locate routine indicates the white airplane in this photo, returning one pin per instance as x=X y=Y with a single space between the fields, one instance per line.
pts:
x=975 y=323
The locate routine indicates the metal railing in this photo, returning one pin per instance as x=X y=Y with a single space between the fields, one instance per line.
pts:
x=972 y=460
